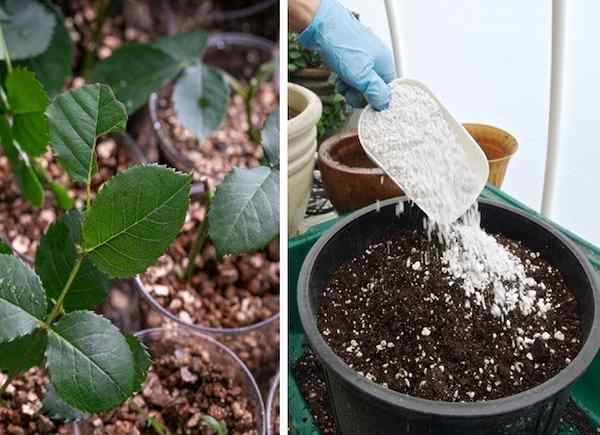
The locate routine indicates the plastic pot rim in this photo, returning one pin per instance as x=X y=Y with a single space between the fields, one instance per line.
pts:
x=172 y=154
x=199 y=329
x=388 y=398
x=270 y=401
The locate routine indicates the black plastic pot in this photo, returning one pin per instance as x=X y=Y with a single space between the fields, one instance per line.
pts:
x=365 y=408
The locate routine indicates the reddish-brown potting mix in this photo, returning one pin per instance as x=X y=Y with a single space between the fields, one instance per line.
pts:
x=234 y=292
x=21 y=403
x=412 y=330
x=22 y=223
x=227 y=147
x=186 y=382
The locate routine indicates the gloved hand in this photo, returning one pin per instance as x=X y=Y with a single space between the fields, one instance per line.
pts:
x=362 y=62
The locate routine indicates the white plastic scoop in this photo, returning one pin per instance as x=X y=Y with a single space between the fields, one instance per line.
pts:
x=431 y=157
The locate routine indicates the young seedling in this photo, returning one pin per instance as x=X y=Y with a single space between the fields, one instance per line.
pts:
x=243 y=214
x=218 y=427
x=45 y=315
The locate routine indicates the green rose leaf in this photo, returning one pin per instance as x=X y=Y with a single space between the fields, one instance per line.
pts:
x=27 y=101
x=20 y=165
x=134 y=81
x=23 y=353
x=27 y=28
x=244 y=213
x=56 y=257
x=142 y=361
x=57 y=409
x=63 y=200
x=89 y=362
x=270 y=138
x=135 y=217
x=201 y=97
x=5 y=249
x=53 y=66
x=22 y=299
x=186 y=47
x=77 y=118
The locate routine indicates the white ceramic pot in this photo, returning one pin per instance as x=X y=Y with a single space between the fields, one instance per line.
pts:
x=302 y=148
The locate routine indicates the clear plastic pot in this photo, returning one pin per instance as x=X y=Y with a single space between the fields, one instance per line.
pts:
x=240 y=55
x=272 y=403
x=257 y=345
x=176 y=337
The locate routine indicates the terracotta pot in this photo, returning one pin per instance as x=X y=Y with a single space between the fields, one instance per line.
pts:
x=305 y=110
x=350 y=178
x=498 y=146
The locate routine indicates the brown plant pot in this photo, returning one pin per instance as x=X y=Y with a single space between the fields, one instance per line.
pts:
x=315 y=79
x=350 y=178
x=498 y=146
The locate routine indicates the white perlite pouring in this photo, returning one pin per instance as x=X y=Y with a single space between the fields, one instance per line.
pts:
x=415 y=145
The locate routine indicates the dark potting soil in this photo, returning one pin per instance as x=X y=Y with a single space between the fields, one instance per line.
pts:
x=228 y=146
x=22 y=223
x=20 y=411
x=186 y=382
x=412 y=331
x=574 y=418
x=311 y=382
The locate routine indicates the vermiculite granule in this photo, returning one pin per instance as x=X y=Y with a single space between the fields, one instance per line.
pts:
x=418 y=149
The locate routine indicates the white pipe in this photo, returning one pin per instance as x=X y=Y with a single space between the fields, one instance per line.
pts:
x=393 y=15
x=556 y=96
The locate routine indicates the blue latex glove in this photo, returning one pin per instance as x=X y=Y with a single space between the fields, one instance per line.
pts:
x=362 y=62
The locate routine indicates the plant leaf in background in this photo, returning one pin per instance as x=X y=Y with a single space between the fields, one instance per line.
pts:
x=246 y=208
x=22 y=299
x=54 y=66
x=185 y=47
x=201 y=97
x=89 y=362
x=5 y=249
x=77 y=118
x=142 y=361
x=135 y=217
x=58 y=409
x=23 y=353
x=28 y=27
x=27 y=101
x=270 y=138
x=20 y=165
x=56 y=257
x=154 y=66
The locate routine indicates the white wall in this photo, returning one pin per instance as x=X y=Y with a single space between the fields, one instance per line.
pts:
x=490 y=62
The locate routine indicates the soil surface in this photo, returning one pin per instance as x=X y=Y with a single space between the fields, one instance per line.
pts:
x=235 y=292
x=19 y=414
x=186 y=382
x=311 y=381
x=228 y=147
x=412 y=330
x=22 y=223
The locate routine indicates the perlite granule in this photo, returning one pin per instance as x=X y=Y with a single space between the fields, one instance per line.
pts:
x=422 y=155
